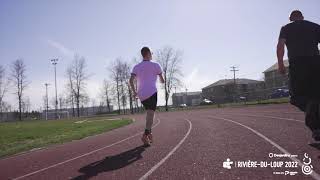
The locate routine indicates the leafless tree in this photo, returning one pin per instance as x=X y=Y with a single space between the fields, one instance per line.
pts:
x=170 y=61
x=3 y=88
x=101 y=106
x=120 y=75
x=70 y=91
x=26 y=105
x=7 y=107
x=106 y=91
x=76 y=72
x=19 y=80
x=93 y=102
x=62 y=101
x=93 y=105
x=52 y=102
x=116 y=72
x=126 y=73
x=85 y=100
x=123 y=86
x=44 y=101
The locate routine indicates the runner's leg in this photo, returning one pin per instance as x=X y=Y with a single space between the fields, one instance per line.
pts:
x=311 y=118
x=149 y=119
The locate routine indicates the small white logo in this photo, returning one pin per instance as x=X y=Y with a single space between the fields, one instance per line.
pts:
x=307 y=168
x=227 y=164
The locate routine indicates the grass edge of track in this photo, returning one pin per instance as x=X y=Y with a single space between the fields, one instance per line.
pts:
x=225 y=105
x=79 y=131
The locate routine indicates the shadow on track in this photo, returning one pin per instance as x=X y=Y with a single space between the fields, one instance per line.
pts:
x=111 y=163
x=317 y=146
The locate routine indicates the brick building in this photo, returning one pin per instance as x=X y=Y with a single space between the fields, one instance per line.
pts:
x=188 y=98
x=226 y=91
x=274 y=79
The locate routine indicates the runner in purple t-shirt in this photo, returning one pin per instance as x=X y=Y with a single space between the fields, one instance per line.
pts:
x=146 y=73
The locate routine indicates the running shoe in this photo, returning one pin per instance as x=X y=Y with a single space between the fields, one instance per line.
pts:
x=150 y=138
x=145 y=139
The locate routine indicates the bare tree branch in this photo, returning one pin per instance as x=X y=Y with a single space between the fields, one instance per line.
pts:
x=170 y=60
x=19 y=81
x=77 y=76
x=115 y=69
x=106 y=91
x=4 y=83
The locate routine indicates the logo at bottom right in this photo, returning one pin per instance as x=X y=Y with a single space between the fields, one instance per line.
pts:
x=307 y=168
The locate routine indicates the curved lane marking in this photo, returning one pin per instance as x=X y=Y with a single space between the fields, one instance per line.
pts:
x=263 y=116
x=314 y=174
x=155 y=167
x=83 y=155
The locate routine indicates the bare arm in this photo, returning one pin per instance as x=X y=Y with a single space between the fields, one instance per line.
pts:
x=161 y=78
x=131 y=81
x=280 y=54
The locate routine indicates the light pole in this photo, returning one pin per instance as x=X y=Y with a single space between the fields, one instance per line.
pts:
x=47 y=104
x=234 y=70
x=54 y=62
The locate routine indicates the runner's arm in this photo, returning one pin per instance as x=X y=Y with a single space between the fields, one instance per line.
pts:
x=131 y=81
x=280 y=54
x=161 y=78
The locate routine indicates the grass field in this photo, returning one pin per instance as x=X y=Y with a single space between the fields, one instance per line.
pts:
x=17 y=137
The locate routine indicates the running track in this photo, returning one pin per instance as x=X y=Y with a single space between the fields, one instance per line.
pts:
x=188 y=145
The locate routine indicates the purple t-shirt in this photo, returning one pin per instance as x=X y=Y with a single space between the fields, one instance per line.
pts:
x=146 y=73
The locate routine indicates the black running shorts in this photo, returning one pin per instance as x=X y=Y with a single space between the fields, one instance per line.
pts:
x=151 y=102
x=304 y=75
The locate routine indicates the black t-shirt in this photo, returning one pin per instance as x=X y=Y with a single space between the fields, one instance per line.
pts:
x=302 y=38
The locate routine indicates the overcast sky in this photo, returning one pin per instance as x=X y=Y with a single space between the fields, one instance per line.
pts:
x=213 y=35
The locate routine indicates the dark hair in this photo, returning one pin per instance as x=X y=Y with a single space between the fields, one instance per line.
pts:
x=145 y=51
x=296 y=14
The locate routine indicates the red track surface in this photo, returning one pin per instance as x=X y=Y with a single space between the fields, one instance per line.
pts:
x=188 y=145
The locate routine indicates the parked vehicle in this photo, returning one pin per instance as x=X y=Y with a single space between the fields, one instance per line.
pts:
x=206 y=102
x=182 y=105
x=243 y=98
x=279 y=93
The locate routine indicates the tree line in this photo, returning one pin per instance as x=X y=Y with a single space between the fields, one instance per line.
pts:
x=114 y=91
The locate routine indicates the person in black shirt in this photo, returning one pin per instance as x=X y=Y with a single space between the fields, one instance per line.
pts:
x=301 y=38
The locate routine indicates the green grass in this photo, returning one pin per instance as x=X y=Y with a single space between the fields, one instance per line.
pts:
x=17 y=137
x=269 y=101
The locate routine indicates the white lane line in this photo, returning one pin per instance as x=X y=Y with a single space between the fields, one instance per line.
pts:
x=300 y=113
x=155 y=167
x=273 y=117
x=314 y=174
x=83 y=155
x=106 y=119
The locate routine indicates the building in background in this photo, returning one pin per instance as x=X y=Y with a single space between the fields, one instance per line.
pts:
x=274 y=79
x=226 y=90
x=188 y=98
